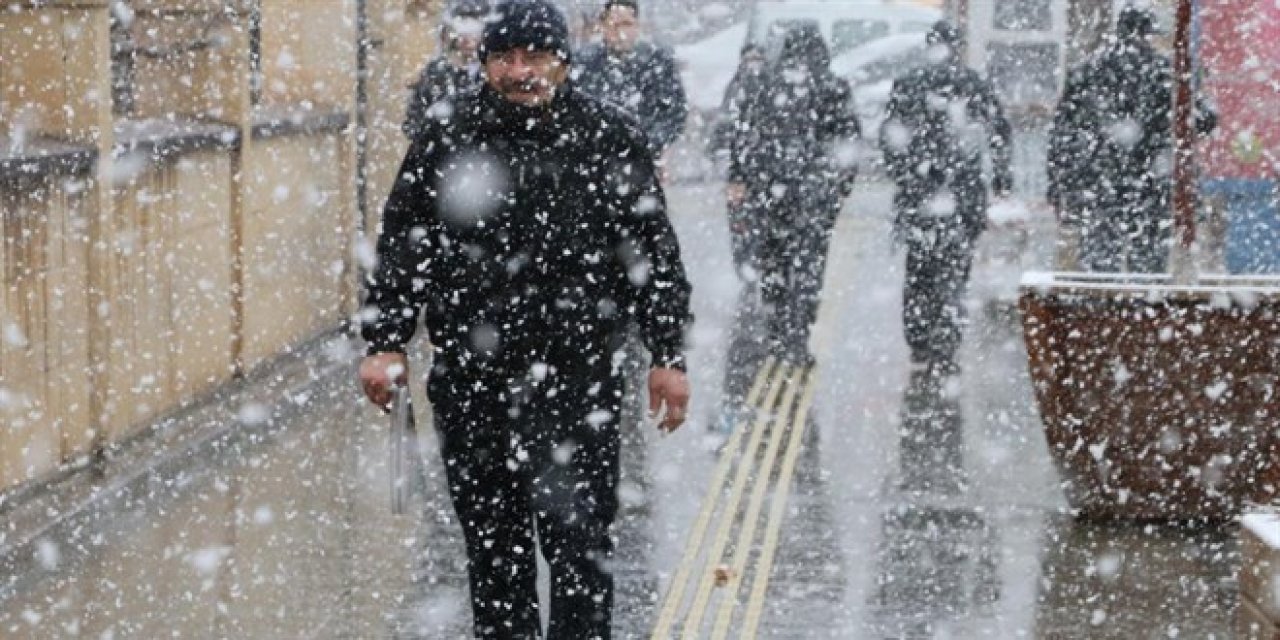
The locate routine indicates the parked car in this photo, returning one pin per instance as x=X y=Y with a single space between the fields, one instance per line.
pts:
x=846 y=25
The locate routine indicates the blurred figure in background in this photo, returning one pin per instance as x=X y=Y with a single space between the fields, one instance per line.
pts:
x=1111 y=151
x=633 y=74
x=744 y=228
x=455 y=69
x=791 y=165
x=940 y=120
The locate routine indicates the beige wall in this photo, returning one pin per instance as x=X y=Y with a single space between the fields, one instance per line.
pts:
x=147 y=281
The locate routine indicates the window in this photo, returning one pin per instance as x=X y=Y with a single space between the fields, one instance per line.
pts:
x=887 y=68
x=847 y=34
x=1023 y=15
x=1024 y=74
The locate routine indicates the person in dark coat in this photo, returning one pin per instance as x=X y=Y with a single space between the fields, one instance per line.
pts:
x=744 y=229
x=791 y=164
x=940 y=120
x=635 y=75
x=455 y=70
x=1110 y=153
x=528 y=229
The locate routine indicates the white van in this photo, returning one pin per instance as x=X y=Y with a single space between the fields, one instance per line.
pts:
x=845 y=24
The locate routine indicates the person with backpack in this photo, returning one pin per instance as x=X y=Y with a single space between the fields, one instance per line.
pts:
x=940 y=121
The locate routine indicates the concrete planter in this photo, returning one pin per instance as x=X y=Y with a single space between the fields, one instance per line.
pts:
x=1159 y=402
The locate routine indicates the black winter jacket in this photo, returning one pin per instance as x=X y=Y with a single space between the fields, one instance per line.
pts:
x=528 y=236
x=940 y=120
x=438 y=80
x=644 y=83
x=793 y=126
x=1112 y=130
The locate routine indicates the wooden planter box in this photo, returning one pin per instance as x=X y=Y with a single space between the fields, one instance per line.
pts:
x=1159 y=402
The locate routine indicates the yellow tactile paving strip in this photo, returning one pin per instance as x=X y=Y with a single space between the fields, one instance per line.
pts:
x=761 y=454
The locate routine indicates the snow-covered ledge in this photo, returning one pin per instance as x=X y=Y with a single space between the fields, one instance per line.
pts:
x=1259 y=614
x=1148 y=283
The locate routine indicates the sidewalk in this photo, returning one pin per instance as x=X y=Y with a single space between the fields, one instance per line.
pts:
x=914 y=508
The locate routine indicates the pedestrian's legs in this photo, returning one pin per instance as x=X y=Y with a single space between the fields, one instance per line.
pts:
x=491 y=502
x=918 y=296
x=939 y=259
x=775 y=267
x=574 y=462
x=954 y=262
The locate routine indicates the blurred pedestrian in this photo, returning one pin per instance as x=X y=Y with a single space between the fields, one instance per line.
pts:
x=634 y=74
x=745 y=229
x=528 y=229
x=941 y=119
x=1111 y=151
x=454 y=70
x=792 y=163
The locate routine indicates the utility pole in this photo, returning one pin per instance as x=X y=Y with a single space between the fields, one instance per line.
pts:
x=1181 y=263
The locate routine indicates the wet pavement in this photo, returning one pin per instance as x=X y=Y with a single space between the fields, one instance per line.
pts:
x=913 y=507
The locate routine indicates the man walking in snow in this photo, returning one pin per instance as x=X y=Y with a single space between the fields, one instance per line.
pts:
x=1111 y=151
x=635 y=75
x=791 y=164
x=455 y=70
x=528 y=229
x=940 y=120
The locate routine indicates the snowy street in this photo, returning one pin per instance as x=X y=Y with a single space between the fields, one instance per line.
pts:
x=914 y=509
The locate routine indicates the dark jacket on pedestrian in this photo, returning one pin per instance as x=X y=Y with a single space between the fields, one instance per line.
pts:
x=643 y=82
x=440 y=79
x=745 y=82
x=1110 y=147
x=796 y=122
x=523 y=244
x=940 y=120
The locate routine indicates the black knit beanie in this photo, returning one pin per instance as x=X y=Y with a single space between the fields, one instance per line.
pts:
x=532 y=24
x=633 y=5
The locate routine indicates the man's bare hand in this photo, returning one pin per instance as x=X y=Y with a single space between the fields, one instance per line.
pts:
x=669 y=387
x=380 y=372
x=735 y=193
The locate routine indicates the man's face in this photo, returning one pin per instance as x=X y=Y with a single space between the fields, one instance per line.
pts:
x=526 y=77
x=621 y=28
x=465 y=47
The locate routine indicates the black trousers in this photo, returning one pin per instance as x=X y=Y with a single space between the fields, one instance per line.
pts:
x=939 y=259
x=534 y=463
x=799 y=218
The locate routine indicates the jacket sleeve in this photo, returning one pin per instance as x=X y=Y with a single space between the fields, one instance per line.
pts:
x=420 y=99
x=409 y=247
x=1206 y=117
x=740 y=113
x=896 y=133
x=671 y=106
x=841 y=131
x=659 y=287
x=1065 y=144
x=1001 y=137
